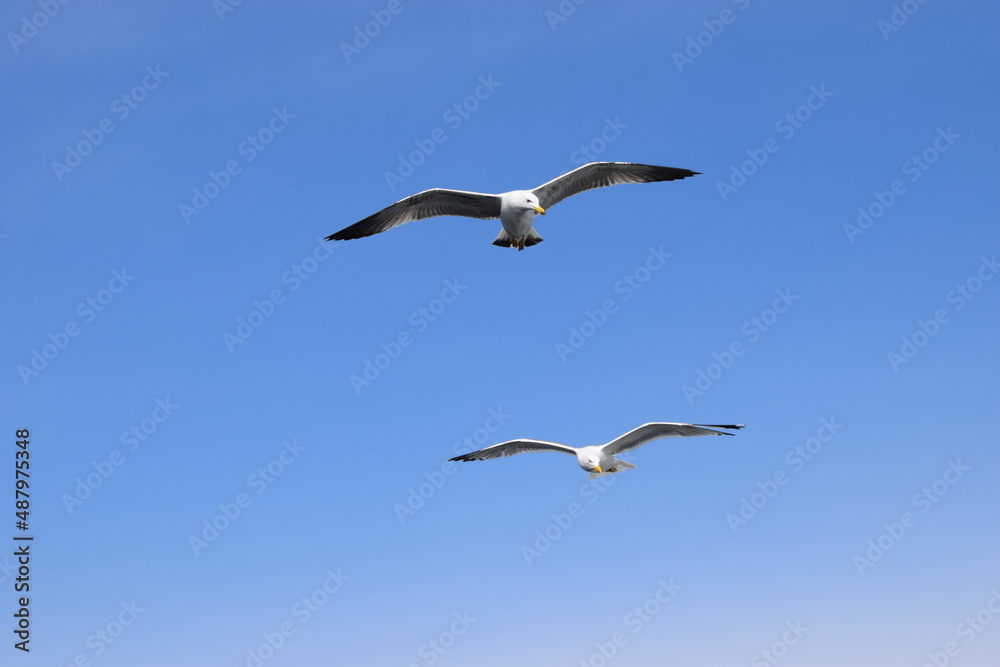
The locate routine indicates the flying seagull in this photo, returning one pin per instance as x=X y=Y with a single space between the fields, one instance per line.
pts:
x=599 y=460
x=516 y=209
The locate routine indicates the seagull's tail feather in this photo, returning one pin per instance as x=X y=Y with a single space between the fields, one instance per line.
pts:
x=623 y=465
x=505 y=240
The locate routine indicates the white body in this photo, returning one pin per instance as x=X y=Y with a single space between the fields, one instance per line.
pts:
x=598 y=462
x=518 y=209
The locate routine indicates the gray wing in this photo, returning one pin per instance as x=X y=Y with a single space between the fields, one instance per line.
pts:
x=648 y=432
x=601 y=175
x=515 y=447
x=426 y=204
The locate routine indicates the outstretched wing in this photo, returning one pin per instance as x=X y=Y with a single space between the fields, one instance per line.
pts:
x=656 y=430
x=601 y=175
x=426 y=204
x=515 y=447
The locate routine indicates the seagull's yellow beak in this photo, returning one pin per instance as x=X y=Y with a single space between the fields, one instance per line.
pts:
x=539 y=209
x=598 y=468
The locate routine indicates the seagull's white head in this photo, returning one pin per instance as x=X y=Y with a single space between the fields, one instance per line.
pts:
x=591 y=462
x=528 y=200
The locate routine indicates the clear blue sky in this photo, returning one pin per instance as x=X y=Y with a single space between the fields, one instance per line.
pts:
x=181 y=343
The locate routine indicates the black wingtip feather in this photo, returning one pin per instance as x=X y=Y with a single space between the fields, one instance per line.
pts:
x=668 y=173
x=734 y=427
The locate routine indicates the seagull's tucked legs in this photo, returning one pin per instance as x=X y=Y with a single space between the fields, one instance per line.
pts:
x=617 y=465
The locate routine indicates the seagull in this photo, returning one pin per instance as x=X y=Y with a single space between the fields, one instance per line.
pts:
x=516 y=209
x=599 y=460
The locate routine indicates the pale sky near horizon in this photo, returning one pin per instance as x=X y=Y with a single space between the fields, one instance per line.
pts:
x=239 y=431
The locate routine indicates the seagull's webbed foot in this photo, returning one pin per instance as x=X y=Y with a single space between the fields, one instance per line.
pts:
x=613 y=469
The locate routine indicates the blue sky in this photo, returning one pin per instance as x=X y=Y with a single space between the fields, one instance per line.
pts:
x=209 y=485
